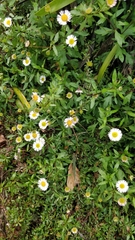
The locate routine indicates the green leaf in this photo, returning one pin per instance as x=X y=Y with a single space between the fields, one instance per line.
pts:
x=113 y=119
x=103 y=183
x=127 y=98
x=131 y=114
x=53 y=6
x=132 y=128
x=107 y=62
x=102 y=173
x=103 y=31
x=21 y=97
x=133 y=201
x=114 y=77
x=92 y=102
x=56 y=38
x=119 y=38
x=55 y=50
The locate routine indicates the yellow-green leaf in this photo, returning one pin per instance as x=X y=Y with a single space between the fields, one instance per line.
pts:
x=107 y=62
x=53 y=6
x=21 y=97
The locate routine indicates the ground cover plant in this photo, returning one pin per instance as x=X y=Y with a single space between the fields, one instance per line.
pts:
x=67 y=119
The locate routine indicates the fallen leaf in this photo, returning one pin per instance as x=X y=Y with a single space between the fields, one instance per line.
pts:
x=2 y=140
x=73 y=177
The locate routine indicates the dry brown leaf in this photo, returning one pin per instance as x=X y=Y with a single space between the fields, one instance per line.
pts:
x=73 y=177
x=2 y=140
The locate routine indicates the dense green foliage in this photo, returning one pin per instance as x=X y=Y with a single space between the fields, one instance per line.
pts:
x=96 y=79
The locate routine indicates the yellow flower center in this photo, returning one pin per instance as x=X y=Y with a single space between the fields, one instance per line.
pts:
x=71 y=41
x=115 y=134
x=8 y=22
x=122 y=200
x=27 y=61
x=122 y=185
x=67 y=189
x=44 y=124
x=34 y=135
x=69 y=122
x=13 y=56
x=18 y=139
x=124 y=158
x=27 y=136
x=19 y=126
x=87 y=194
x=74 y=230
x=35 y=97
x=34 y=114
x=75 y=119
x=37 y=145
x=42 y=79
x=43 y=184
x=110 y=2
x=64 y=17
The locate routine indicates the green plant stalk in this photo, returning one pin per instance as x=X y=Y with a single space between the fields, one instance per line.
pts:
x=21 y=97
x=53 y=6
x=107 y=62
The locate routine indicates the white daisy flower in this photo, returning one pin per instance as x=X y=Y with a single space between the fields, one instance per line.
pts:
x=75 y=119
x=71 y=41
x=122 y=201
x=7 y=22
x=13 y=56
x=43 y=184
x=78 y=91
x=36 y=97
x=35 y=135
x=37 y=145
x=115 y=134
x=69 y=95
x=28 y=137
x=111 y=3
x=63 y=17
x=19 y=127
x=33 y=115
x=43 y=124
x=18 y=140
x=42 y=97
x=74 y=230
x=27 y=61
x=68 y=122
x=71 y=112
x=42 y=140
x=122 y=186
x=15 y=156
x=27 y=43
x=42 y=79
x=87 y=194
x=67 y=189
x=124 y=158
